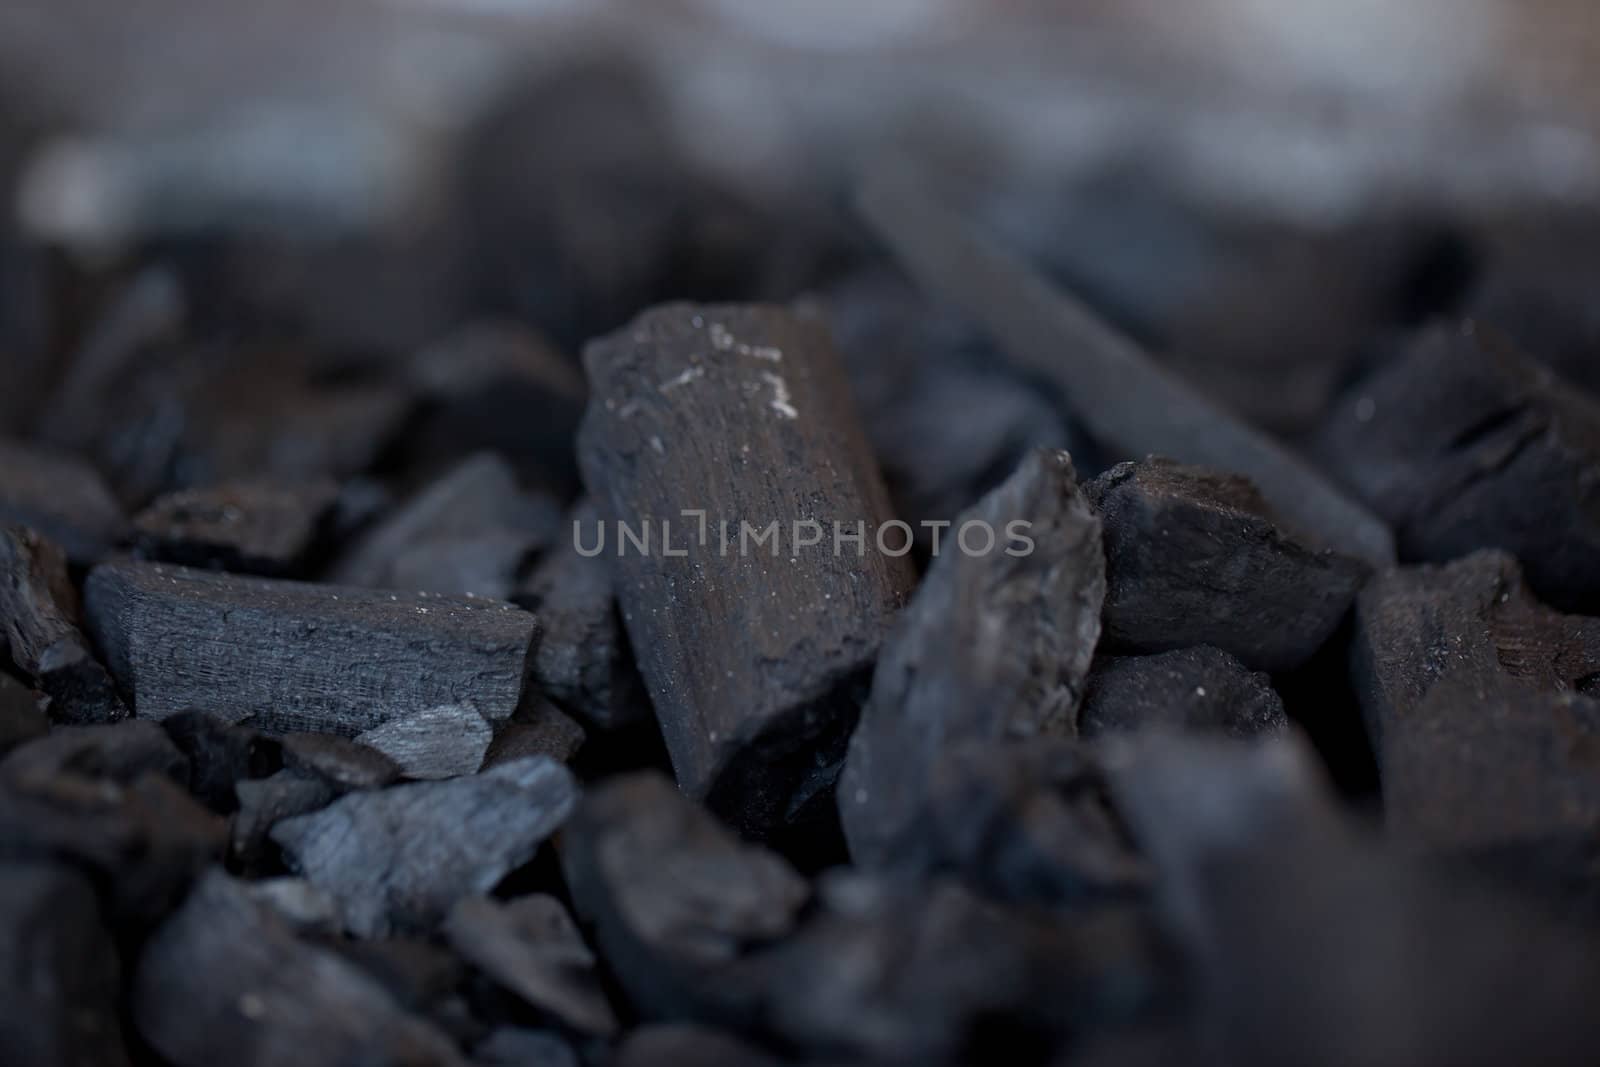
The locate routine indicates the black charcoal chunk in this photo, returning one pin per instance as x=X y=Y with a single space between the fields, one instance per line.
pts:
x=469 y=533
x=511 y=1046
x=1464 y=443
x=1021 y=821
x=220 y=755
x=934 y=973
x=672 y=1044
x=145 y=840
x=21 y=717
x=994 y=645
x=250 y=527
x=399 y=858
x=1387 y=966
x=297 y=656
x=539 y=728
x=583 y=661
x=531 y=947
x=342 y=763
x=60 y=496
x=265 y=802
x=1195 y=557
x=118 y=752
x=59 y=974
x=1201 y=688
x=673 y=897
x=753 y=657
x=1123 y=398
x=443 y=742
x=1469 y=687
x=226 y=981
x=39 y=620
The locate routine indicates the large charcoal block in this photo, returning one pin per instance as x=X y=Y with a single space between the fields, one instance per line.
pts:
x=1464 y=443
x=1201 y=688
x=993 y=645
x=752 y=655
x=299 y=656
x=226 y=981
x=39 y=621
x=400 y=858
x=1196 y=557
x=62 y=497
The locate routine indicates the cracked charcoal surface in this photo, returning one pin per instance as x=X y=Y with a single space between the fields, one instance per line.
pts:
x=991 y=646
x=443 y=742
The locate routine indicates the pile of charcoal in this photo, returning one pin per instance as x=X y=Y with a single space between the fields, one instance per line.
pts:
x=911 y=670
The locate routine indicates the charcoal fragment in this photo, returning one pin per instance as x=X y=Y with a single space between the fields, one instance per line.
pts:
x=511 y=1046
x=752 y=661
x=399 y=858
x=419 y=975
x=670 y=1044
x=118 y=752
x=39 y=619
x=531 y=947
x=248 y=527
x=220 y=755
x=265 y=802
x=468 y=533
x=307 y=909
x=443 y=742
x=225 y=980
x=1195 y=557
x=21 y=717
x=298 y=656
x=342 y=763
x=60 y=496
x=1464 y=443
x=1201 y=688
x=583 y=661
x=673 y=897
x=59 y=975
x=537 y=729
x=992 y=646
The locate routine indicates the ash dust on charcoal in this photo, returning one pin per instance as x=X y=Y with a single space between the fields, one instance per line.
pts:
x=855 y=650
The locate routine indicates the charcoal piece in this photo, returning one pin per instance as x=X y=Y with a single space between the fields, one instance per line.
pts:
x=342 y=763
x=226 y=981
x=117 y=752
x=60 y=496
x=538 y=728
x=144 y=841
x=1388 y=966
x=1200 y=688
x=499 y=386
x=1123 y=398
x=583 y=661
x=265 y=802
x=751 y=660
x=673 y=897
x=886 y=971
x=220 y=755
x=400 y=857
x=1487 y=766
x=443 y=742
x=1194 y=557
x=1464 y=443
x=59 y=975
x=1467 y=685
x=297 y=656
x=38 y=618
x=418 y=974
x=250 y=527
x=467 y=533
x=511 y=1046
x=1022 y=821
x=21 y=718
x=993 y=645
x=531 y=947
x=299 y=903
x=670 y=1044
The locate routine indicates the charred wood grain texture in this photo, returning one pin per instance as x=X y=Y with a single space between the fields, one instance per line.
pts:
x=752 y=657
x=299 y=656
